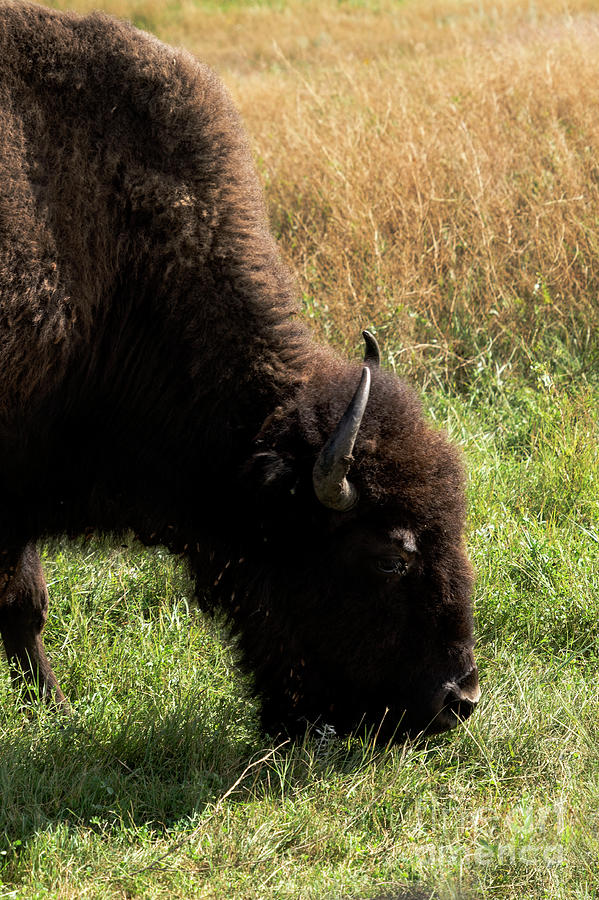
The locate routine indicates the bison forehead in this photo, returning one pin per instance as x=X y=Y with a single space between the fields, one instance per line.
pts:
x=412 y=486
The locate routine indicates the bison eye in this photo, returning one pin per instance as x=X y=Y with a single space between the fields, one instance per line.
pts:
x=392 y=565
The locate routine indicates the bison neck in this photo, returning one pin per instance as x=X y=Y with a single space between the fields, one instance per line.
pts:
x=147 y=431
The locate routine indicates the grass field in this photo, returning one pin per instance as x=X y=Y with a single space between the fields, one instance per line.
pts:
x=432 y=170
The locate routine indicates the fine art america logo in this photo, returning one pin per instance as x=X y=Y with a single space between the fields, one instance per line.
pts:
x=489 y=853
x=525 y=836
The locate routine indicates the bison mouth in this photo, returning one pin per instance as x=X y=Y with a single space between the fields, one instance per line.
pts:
x=451 y=705
x=426 y=712
x=389 y=726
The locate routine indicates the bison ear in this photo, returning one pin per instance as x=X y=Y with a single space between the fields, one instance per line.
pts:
x=272 y=471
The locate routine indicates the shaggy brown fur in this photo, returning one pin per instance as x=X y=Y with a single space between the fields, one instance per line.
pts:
x=154 y=376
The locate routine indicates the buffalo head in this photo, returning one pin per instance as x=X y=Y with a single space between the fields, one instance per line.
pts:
x=350 y=589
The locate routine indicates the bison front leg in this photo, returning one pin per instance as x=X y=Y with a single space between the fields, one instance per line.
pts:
x=23 y=614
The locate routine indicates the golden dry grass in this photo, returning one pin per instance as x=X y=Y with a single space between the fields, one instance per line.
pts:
x=431 y=167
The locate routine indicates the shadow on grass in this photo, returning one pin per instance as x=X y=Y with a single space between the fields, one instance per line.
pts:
x=132 y=774
x=157 y=772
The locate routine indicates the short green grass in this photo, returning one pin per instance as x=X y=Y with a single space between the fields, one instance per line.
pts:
x=163 y=785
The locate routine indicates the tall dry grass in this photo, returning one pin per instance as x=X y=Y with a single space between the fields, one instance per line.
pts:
x=431 y=167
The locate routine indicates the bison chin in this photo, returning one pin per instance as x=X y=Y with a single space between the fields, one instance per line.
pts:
x=389 y=724
x=426 y=712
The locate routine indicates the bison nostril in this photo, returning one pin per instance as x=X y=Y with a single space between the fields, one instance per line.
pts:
x=457 y=703
x=461 y=697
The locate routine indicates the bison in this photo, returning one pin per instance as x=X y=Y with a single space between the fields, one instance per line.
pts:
x=157 y=379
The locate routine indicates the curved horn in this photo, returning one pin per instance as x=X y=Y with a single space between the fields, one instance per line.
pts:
x=329 y=475
x=372 y=356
